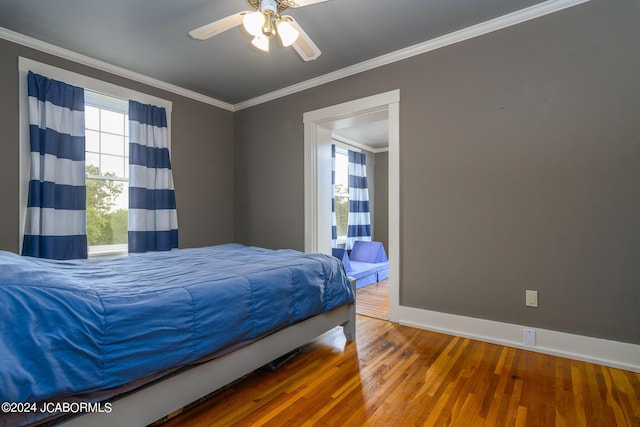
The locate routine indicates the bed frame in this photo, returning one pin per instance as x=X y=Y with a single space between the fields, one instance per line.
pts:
x=162 y=398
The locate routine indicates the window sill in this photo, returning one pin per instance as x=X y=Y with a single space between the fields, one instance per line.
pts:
x=108 y=251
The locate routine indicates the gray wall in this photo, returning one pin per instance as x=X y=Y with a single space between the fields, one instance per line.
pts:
x=519 y=169
x=202 y=155
x=268 y=178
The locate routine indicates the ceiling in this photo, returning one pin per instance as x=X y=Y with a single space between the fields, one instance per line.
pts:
x=369 y=131
x=150 y=37
x=373 y=135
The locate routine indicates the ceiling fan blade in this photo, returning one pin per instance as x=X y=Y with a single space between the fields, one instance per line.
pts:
x=301 y=3
x=305 y=47
x=217 y=27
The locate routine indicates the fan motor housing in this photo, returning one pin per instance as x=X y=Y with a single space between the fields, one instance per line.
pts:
x=280 y=5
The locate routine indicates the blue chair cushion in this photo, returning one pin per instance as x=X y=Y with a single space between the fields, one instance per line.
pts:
x=368 y=252
x=341 y=254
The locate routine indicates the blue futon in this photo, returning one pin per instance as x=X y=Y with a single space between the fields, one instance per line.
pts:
x=367 y=262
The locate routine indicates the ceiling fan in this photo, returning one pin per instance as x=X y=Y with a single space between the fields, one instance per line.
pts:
x=264 y=22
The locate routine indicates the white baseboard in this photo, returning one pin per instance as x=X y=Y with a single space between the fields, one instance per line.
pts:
x=595 y=350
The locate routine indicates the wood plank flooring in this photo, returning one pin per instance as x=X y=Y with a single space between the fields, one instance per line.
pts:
x=373 y=300
x=400 y=376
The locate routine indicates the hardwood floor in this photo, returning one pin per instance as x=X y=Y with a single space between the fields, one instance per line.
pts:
x=397 y=376
x=373 y=300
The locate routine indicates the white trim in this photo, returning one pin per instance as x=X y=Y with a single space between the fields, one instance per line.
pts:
x=317 y=137
x=359 y=145
x=394 y=209
x=343 y=148
x=508 y=20
x=40 y=45
x=108 y=102
x=99 y=251
x=588 y=349
x=368 y=104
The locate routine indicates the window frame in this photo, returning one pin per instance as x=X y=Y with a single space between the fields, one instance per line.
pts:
x=341 y=151
x=120 y=106
x=88 y=83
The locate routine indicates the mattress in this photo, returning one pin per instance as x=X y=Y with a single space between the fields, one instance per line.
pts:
x=75 y=327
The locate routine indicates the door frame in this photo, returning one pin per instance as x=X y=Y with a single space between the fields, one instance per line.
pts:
x=317 y=187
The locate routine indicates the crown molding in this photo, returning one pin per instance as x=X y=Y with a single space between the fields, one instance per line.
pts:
x=356 y=144
x=508 y=20
x=49 y=48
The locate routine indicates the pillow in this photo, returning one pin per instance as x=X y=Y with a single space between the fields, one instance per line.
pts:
x=342 y=255
x=368 y=252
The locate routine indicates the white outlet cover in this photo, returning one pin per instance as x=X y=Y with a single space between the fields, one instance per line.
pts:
x=529 y=337
x=531 y=298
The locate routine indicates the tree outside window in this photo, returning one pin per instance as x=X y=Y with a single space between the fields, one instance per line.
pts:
x=107 y=173
x=107 y=223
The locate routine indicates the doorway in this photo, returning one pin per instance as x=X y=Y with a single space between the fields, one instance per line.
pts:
x=319 y=125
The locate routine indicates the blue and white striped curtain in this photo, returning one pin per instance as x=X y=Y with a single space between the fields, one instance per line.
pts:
x=359 y=222
x=55 y=225
x=334 y=222
x=153 y=221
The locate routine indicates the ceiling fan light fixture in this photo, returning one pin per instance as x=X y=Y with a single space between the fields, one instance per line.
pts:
x=269 y=28
x=263 y=23
x=253 y=22
x=288 y=34
x=261 y=42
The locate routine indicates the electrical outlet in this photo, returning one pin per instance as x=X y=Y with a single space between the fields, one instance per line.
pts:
x=531 y=298
x=529 y=337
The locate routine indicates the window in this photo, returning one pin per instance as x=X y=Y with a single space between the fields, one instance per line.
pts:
x=107 y=172
x=341 y=194
x=107 y=153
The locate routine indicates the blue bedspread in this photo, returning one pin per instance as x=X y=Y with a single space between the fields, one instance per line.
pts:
x=73 y=327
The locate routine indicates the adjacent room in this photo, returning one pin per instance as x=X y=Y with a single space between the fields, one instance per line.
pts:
x=320 y=212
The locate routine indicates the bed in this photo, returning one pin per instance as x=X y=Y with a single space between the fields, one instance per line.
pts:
x=150 y=333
